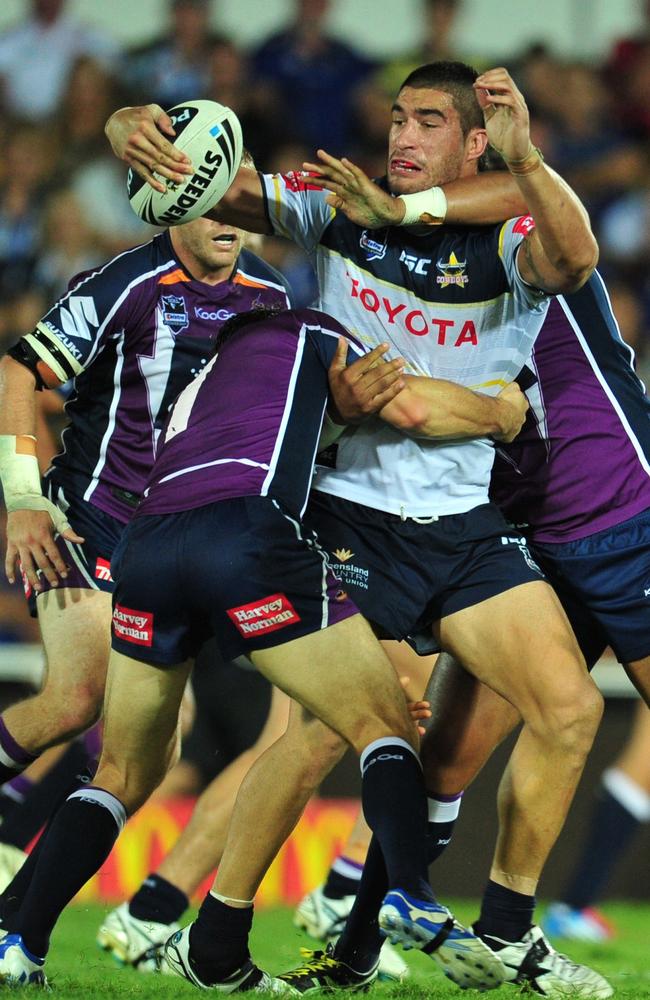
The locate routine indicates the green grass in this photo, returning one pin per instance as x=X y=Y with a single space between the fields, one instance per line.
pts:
x=77 y=969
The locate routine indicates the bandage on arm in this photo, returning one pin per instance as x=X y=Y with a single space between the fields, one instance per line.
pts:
x=21 y=481
x=425 y=207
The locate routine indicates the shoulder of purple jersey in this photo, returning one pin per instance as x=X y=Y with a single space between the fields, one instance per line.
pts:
x=249 y=265
x=330 y=327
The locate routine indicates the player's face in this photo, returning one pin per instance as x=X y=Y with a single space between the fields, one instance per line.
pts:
x=209 y=249
x=426 y=146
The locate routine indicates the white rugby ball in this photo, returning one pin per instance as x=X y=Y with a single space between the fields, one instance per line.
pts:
x=210 y=134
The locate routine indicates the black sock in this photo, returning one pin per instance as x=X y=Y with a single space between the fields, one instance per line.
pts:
x=438 y=837
x=338 y=885
x=12 y=798
x=219 y=939
x=394 y=804
x=360 y=943
x=12 y=897
x=45 y=796
x=78 y=842
x=14 y=758
x=611 y=828
x=504 y=913
x=159 y=901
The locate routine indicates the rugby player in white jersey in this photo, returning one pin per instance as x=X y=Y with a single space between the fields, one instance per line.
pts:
x=466 y=304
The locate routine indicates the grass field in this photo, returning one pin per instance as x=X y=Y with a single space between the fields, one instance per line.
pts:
x=77 y=969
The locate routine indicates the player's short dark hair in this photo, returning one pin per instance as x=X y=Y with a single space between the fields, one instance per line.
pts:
x=456 y=79
x=236 y=323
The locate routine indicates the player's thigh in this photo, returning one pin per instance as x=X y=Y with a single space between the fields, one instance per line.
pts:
x=76 y=629
x=407 y=663
x=276 y=721
x=521 y=645
x=340 y=674
x=639 y=673
x=141 y=711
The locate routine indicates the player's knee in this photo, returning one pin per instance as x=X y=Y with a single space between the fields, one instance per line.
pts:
x=128 y=782
x=69 y=711
x=572 y=718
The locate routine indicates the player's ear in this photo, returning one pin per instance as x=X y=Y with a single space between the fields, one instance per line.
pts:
x=476 y=143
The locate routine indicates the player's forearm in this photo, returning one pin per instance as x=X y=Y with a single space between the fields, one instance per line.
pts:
x=243 y=204
x=435 y=408
x=562 y=231
x=486 y=198
x=17 y=400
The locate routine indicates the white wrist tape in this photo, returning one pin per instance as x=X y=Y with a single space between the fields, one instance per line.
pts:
x=425 y=206
x=330 y=432
x=21 y=483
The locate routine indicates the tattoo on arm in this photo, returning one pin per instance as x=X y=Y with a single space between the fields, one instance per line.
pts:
x=528 y=250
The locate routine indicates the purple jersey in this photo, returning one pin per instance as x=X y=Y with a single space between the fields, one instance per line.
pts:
x=250 y=424
x=134 y=333
x=582 y=461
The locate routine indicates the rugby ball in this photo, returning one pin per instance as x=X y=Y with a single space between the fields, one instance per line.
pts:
x=210 y=134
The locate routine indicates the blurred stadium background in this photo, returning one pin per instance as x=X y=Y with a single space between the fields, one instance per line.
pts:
x=584 y=67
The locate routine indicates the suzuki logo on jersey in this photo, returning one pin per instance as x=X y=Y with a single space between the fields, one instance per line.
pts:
x=103 y=570
x=448 y=332
x=267 y=615
x=174 y=312
x=453 y=272
x=375 y=249
x=77 y=316
x=418 y=265
x=216 y=314
x=133 y=626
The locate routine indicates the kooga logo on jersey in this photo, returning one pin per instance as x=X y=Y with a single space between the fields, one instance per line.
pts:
x=217 y=314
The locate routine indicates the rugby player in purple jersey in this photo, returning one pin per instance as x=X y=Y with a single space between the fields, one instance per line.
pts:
x=217 y=546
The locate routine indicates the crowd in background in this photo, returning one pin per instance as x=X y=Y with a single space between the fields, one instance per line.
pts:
x=63 y=207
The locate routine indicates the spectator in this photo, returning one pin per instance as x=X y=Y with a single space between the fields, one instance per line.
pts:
x=174 y=67
x=36 y=56
x=314 y=76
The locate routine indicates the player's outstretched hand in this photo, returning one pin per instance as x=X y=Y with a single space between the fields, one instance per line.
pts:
x=505 y=112
x=136 y=136
x=365 y=386
x=353 y=193
x=30 y=542
x=513 y=412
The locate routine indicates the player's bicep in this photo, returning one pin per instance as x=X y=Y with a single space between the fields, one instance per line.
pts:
x=535 y=267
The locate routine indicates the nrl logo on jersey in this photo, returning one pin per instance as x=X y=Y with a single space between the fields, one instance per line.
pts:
x=452 y=271
x=174 y=312
x=375 y=249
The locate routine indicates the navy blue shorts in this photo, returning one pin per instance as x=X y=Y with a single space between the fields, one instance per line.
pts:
x=406 y=575
x=89 y=564
x=603 y=582
x=242 y=570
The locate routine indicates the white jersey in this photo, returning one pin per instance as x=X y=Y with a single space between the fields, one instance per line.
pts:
x=451 y=301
